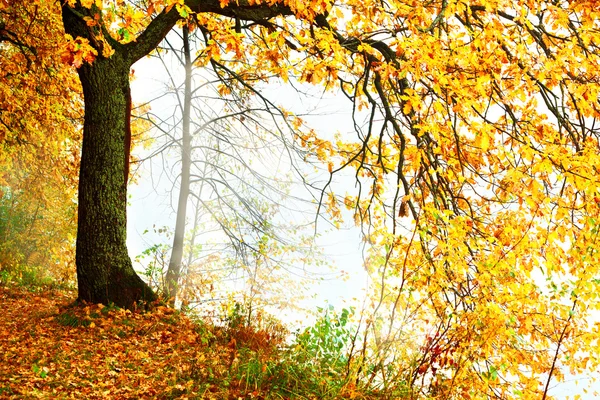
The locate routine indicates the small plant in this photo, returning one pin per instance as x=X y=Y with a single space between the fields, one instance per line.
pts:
x=316 y=362
x=155 y=260
x=107 y=309
x=68 y=318
x=5 y=390
x=5 y=278
x=325 y=343
x=32 y=278
x=42 y=372
x=202 y=329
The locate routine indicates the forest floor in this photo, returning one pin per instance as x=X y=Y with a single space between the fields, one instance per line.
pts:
x=53 y=349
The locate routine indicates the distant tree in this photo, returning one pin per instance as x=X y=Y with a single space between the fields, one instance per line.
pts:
x=174 y=272
x=237 y=164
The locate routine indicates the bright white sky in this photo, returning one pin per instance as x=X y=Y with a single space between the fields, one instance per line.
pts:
x=150 y=202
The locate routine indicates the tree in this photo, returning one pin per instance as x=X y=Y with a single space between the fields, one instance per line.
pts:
x=477 y=140
x=480 y=208
x=174 y=271
x=104 y=270
x=479 y=146
x=237 y=165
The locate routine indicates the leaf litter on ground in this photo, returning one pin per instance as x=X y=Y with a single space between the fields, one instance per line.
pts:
x=51 y=347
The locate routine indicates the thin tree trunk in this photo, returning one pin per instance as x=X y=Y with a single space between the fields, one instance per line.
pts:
x=174 y=271
x=190 y=257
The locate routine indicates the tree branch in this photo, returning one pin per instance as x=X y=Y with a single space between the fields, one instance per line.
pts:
x=162 y=24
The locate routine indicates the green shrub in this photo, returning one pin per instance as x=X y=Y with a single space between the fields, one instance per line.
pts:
x=317 y=362
x=29 y=277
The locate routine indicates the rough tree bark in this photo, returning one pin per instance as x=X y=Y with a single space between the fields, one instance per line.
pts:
x=104 y=270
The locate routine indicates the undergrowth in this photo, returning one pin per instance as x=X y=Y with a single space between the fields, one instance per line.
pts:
x=51 y=347
x=31 y=278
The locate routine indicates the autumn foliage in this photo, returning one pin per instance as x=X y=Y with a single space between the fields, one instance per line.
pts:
x=40 y=109
x=475 y=151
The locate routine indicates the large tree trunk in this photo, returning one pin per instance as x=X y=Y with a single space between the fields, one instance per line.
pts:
x=104 y=270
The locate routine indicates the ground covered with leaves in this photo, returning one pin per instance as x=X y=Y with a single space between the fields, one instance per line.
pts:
x=51 y=347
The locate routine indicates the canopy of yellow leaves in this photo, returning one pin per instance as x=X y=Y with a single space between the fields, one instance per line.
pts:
x=479 y=143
